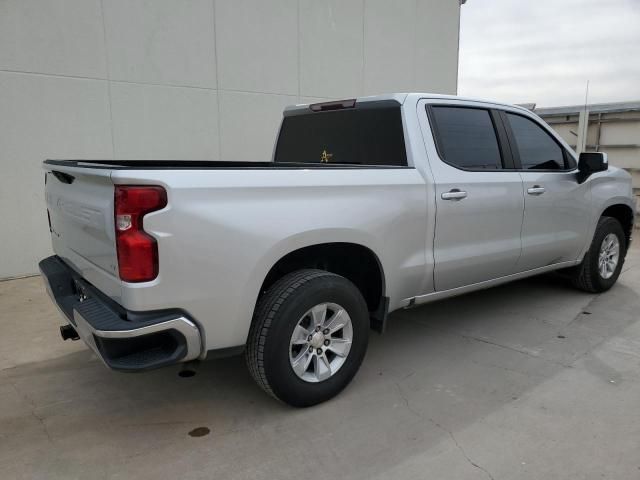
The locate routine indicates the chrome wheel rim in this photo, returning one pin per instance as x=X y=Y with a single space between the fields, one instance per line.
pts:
x=609 y=255
x=320 y=342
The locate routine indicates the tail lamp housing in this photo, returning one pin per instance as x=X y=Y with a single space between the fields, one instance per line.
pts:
x=137 y=250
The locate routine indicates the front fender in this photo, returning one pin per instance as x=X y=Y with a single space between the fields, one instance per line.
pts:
x=608 y=189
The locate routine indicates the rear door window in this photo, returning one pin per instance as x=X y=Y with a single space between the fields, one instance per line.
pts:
x=368 y=134
x=466 y=137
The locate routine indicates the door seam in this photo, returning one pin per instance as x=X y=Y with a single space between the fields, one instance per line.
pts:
x=524 y=209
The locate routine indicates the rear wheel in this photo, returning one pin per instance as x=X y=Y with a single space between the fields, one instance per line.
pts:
x=308 y=337
x=601 y=265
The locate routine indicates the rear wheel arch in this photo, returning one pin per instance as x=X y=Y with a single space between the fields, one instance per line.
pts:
x=355 y=262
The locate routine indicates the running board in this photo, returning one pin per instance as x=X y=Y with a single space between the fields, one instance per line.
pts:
x=433 y=296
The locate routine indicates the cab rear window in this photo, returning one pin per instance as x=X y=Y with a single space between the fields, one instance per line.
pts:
x=367 y=134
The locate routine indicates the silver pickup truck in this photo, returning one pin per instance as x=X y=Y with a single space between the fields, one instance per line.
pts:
x=369 y=205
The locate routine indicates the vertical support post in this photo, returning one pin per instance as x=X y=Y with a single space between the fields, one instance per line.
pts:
x=583 y=129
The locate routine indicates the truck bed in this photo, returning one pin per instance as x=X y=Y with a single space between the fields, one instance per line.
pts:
x=204 y=165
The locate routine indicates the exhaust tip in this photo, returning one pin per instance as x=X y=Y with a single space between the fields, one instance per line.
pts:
x=67 y=332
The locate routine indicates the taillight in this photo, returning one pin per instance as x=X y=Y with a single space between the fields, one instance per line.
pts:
x=137 y=250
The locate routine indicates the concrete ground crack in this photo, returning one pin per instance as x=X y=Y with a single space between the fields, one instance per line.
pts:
x=513 y=349
x=495 y=344
x=44 y=425
x=33 y=411
x=593 y=347
x=405 y=399
x=157 y=424
x=489 y=342
x=461 y=449
x=628 y=267
x=584 y=308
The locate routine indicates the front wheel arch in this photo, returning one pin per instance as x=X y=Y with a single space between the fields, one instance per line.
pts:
x=623 y=214
x=586 y=276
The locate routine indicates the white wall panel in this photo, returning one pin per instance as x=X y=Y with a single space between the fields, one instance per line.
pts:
x=42 y=117
x=436 y=55
x=63 y=37
x=158 y=122
x=196 y=79
x=161 y=41
x=331 y=48
x=389 y=50
x=257 y=45
x=249 y=123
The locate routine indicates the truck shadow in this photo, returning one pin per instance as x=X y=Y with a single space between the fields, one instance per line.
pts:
x=438 y=369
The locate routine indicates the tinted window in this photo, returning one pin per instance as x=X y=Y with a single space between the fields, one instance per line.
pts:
x=367 y=135
x=466 y=137
x=537 y=149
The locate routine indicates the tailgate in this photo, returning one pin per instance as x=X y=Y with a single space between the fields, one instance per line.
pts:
x=80 y=202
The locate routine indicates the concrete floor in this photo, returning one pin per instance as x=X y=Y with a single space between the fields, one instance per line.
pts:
x=531 y=380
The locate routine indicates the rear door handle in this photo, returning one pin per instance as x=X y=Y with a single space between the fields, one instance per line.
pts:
x=536 y=190
x=454 y=194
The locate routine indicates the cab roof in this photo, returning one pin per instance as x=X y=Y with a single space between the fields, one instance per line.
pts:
x=400 y=98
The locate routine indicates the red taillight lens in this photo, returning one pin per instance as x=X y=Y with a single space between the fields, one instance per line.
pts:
x=137 y=250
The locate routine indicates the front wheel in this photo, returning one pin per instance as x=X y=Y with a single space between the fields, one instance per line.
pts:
x=601 y=265
x=308 y=337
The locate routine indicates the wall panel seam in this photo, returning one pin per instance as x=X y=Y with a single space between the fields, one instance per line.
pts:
x=106 y=59
x=215 y=62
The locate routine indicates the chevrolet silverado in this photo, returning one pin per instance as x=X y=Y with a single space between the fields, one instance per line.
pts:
x=369 y=205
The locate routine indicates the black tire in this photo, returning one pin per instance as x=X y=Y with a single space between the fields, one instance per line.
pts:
x=278 y=313
x=586 y=276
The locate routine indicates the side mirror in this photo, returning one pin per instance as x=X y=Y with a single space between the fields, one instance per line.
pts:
x=591 y=162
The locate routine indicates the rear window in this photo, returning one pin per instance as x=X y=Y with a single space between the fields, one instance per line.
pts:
x=364 y=135
x=466 y=138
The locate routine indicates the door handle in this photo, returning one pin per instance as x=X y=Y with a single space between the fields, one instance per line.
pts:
x=454 y=194
x=536 y=190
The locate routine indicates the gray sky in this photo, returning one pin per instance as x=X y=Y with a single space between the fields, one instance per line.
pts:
x=544 y=51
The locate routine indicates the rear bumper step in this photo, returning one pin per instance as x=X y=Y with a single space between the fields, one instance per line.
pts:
x=123 y=339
